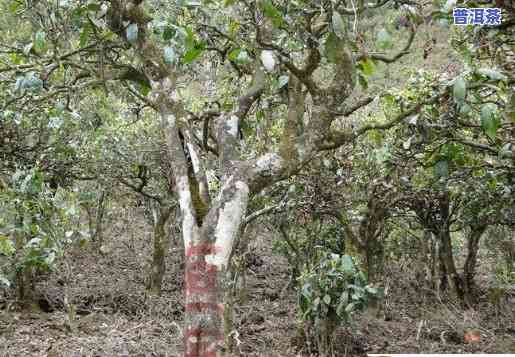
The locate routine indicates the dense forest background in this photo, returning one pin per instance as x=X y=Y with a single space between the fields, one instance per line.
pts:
x=255 y=178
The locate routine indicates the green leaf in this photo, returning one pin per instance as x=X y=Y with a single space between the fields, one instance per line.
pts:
x=332 y=44
x=371 y=290
x=442 y=168
x=243 y=57
x=316 y=302
x=384 y=40
x=228 y=2
x=459 y=90
x=144 y=90
x=367 y=66
x=510 y=107
x=32 y=82
x=194 y=48
x=168 y=33
x=40 y=41
x=407 y=144
x=448 y=6
x=169 y=55
x=59 y=108
x=132 y=33
x=344 y=299
x=347 y=264
x=505 y=151
x=193 y=3
x=15 y=5
x=84 y=34
x=338 y=25
x=233 y=55
x=465 y=109
x=19 y=85
x=492 y=74
x=6 y=246
x=363 y=82
x=193 y=53
x=351 y=307
x=489 y=122
x=327 y=299
x=283 y=80
x=93 y=7
x=272 y=13
x=4 y=281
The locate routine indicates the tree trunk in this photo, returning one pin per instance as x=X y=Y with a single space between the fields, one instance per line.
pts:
x=427 y=256
x=23 y=278
x=98 y=237
x=448 y=260
x=206 y=288
x=207 y=254
x=161 y=245
x=442 y=276
x=374 y=254
x=469 y=267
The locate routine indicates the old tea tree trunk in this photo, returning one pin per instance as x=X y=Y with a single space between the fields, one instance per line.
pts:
x=210 y=224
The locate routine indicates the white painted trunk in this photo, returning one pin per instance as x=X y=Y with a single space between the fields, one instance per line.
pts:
x=230 y=219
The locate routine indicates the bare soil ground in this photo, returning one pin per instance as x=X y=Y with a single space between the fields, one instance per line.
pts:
x=115 y=317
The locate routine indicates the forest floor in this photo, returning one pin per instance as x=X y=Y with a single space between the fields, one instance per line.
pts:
x=114 y=316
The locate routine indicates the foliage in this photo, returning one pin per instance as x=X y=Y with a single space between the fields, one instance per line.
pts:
x=329 y=293
x=334 y=289
x=36 y=223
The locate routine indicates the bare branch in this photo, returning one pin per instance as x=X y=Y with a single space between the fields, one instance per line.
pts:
x=253 y=93
x=254 y=215
x=478 y=146
x=360 y=104
x=139 y=189
x=339 y=138
x=359 y=10
x=397 y=56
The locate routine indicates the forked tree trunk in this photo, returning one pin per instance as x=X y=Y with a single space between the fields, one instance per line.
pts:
x=207 y=251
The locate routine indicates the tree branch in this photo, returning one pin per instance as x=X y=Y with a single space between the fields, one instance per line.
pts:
x=394 y=58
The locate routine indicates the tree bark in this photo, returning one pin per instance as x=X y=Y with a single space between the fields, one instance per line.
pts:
x=204 y=307
x=161 y=245
x=469 y=268
x=23 y=274
x=448 y=260
x=99 y=234
x=206 y=272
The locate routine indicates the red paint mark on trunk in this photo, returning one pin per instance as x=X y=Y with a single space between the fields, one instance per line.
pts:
x=202 y=249
x=203 y=306
x=200 y=277
x=201 y=295
x=201 y=342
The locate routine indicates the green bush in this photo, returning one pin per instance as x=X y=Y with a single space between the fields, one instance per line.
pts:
x=331 y=291
x=36 y=223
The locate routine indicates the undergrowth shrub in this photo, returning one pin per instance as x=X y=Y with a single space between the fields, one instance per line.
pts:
x=330 y=292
